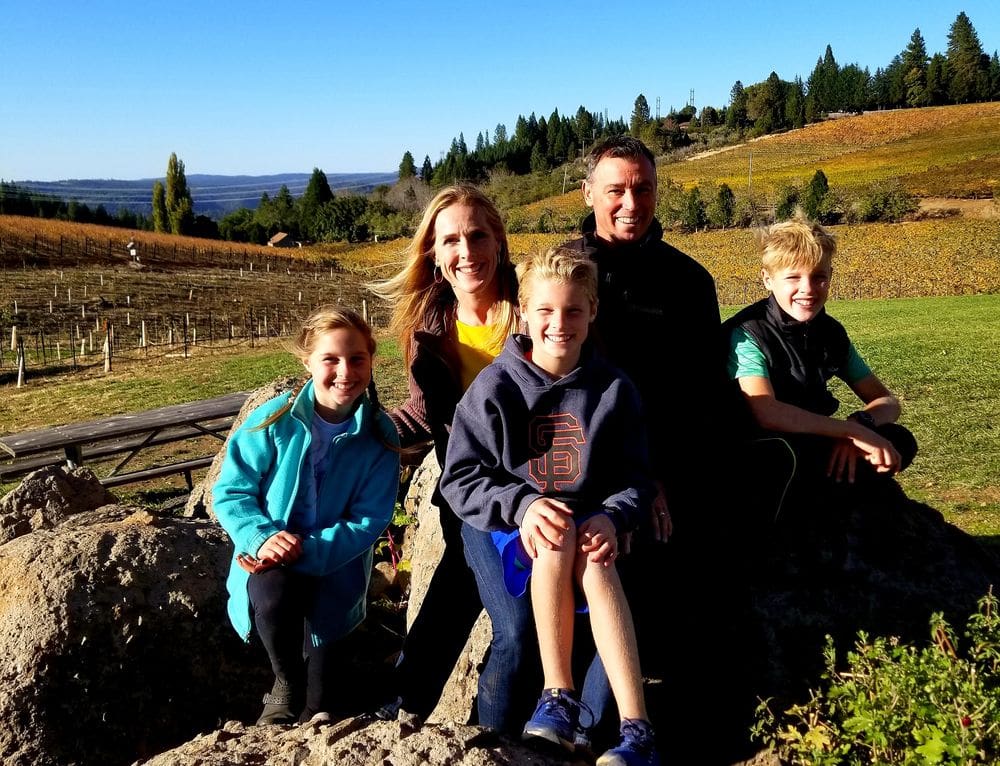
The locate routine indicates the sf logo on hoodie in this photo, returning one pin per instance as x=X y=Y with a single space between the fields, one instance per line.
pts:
x=556 y=440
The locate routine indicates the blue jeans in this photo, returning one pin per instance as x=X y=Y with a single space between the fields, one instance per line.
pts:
x=510 y=681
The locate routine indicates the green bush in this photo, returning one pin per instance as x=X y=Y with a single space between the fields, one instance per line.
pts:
x=896 y=704
x=884 y=201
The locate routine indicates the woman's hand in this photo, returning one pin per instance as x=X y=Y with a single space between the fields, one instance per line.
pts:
x=545 y=524
x=663 y=524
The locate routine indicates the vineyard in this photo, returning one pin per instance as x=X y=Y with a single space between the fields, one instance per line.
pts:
x=72 y=296
x=951 y=151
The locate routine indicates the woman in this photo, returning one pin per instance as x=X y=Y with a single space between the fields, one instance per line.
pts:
x=454 y=305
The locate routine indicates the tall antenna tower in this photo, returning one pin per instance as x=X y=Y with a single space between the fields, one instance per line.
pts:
x=691 y=98
x=657 y=108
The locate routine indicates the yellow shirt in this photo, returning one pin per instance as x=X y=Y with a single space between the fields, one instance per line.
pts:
x=476 y=349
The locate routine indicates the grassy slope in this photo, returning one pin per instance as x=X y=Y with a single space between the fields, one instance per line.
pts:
x=948 y=151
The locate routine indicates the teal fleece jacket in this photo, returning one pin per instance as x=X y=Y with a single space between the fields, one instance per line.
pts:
x=257 y=488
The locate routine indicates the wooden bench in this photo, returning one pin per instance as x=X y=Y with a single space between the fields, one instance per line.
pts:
x=126 y=434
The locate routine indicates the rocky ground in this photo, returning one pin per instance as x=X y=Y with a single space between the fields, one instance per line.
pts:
x=117 y=649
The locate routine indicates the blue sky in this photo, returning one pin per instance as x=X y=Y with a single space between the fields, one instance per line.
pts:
x=107 y=89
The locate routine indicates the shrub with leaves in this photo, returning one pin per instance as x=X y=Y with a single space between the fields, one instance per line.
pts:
x=896 y=704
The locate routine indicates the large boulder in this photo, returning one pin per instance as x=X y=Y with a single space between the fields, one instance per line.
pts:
x=47 y=497
x=424 y=546
x=355 y=742
x=115 y=639
x=878 y=562
x=199 y=502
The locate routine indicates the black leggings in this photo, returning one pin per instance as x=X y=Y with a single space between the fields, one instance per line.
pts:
x=283 y=603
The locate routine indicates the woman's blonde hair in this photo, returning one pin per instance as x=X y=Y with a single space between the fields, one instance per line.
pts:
x=561 y=265
x=414 y=290
x=795 y=242
x=323 y=320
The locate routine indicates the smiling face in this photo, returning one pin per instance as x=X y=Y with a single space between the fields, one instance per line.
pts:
x=465 y=249
x=622 y=192
x=341 y=367
x=558 y=315
x=800 y=291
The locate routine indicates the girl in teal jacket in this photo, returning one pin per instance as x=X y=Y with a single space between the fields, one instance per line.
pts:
x=308 y=485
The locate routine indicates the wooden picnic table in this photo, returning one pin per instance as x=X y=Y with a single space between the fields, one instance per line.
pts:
x=127 y=433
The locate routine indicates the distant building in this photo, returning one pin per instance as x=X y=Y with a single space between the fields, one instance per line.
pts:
x=281 y=239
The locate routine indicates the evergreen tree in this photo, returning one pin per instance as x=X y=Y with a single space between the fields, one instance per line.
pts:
x=426 y=170
x=538 y=161
x=640 y=116
x=317 y=193
x=815 y=195
x=180 y=206
x=736 y=115
x=995 y=77
x=695 y=216
x=407 y=168
x=722 y=209
x=915 y=62
x=795 y=104
x=936 y=89
x=968 y=77
x=161 y=221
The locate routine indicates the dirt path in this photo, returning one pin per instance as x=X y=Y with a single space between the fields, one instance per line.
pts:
x=969 y=208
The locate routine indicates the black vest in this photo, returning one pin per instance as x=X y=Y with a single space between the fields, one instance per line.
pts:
x=801 y=356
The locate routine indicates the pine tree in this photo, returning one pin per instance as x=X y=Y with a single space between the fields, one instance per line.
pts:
x=915 y=70
x=736 y=115
x=407 y=168
x=640 y=116
x=317 y=194
x=815 y=195
x=968 y=77
x=426 y=170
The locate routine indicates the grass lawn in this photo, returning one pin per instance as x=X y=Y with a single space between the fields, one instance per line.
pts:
x=937 y=354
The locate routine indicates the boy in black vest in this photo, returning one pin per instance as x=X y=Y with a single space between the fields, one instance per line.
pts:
x=783 y=350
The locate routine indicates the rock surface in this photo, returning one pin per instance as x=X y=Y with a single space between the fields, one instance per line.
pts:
x=114 y=639
x=199 y=502
x=47 y=497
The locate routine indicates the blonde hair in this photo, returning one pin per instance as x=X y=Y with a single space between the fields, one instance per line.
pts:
x=561 y=265
x=414 y=290
x=795 y=242
x=323 y=320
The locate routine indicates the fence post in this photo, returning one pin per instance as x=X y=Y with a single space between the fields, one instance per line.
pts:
x=20 y=362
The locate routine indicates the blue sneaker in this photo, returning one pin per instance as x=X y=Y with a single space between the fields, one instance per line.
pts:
x=555 y=719
x=637 y=748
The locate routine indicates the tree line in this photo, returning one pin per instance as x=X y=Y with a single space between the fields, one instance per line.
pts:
x=521 y=167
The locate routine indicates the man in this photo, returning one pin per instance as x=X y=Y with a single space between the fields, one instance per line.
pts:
x=658 y=320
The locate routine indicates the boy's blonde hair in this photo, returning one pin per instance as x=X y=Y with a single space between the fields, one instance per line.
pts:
x=796 y=242
x=559 y=264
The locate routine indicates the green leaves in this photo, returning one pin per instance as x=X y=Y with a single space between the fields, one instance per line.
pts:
x=896 y=704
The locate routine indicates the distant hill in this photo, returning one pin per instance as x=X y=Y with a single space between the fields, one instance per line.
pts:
x=213 y=195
